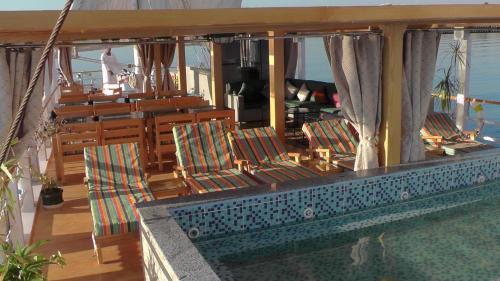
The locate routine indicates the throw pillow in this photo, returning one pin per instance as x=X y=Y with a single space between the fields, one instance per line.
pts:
x=335 y=98
x=319 y=97
x=304 y=94
x=290 y=91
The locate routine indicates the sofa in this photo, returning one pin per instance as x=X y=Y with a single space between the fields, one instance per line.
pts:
x=250 y=99
x=292 y=100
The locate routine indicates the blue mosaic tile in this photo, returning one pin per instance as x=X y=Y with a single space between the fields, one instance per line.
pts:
x=224 y=221
x=387 y=192
x=329 y=200
x=262 y=215
x=359 y=195
x=293 y=204
x=332 y=200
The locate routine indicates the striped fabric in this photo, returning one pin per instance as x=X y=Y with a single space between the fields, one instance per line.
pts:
x=218 y=181
x=114 y=212
x=202 y=147
x=116 y=183
x=110 y=165
x=282 y=171
x=440 y=124
x=334 y=134
x=258 y=145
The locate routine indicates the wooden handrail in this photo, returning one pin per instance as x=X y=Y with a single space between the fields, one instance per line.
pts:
x=468 y=99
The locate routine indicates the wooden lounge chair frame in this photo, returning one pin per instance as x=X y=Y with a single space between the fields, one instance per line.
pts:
x=164 y=138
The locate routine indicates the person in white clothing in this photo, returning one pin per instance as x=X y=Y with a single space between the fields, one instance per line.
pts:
x=110 y=68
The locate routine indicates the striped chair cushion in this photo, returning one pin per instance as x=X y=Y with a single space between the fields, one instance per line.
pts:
x=282 y=171
x=114 y=211
x=222 y=180
x=203 y=147
x=333 y=134
x=440 y=124
x=111 y=165
x=258 y=145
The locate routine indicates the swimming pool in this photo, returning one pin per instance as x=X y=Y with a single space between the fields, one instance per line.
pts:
x=452 y=236
x=426 y=221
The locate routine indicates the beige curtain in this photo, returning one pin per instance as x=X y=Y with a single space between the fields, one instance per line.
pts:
x=357 y=69
x=167 y=57
x=420 y=53
x=326 y=42
x=16 y=69
x=64 y=58
x=291 y=57
x=146 y=56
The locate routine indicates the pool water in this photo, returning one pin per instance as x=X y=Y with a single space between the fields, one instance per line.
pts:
x=453 y=236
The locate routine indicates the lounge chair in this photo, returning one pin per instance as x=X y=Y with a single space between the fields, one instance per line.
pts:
x=333 y=140
x=266 y=157
x=440 y=131
x=204 y=158
x=115 y=184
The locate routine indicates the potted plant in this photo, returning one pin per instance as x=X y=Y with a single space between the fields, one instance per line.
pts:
x=20 y=263
x=449 y=85
x=52 y=194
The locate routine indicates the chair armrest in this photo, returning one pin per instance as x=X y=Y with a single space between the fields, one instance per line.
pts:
x=242 y=164
x=471 y=134
x=178 y=172
x=324 y=153
x=436 y=139
x=296 y=156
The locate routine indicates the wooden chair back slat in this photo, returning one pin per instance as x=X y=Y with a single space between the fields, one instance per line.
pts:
x=227 y=115
x=186 y=102
x=141 y=96
x=172 y=93
x=154 y=105
x=125 y=131
x=72 y=111
x=111 y=109
x=70 y=142
x=104 y=98
x=164 y=139
x=73 y=99
x=75 y=89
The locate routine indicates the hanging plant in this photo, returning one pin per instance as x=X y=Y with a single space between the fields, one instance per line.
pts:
x=449 y=85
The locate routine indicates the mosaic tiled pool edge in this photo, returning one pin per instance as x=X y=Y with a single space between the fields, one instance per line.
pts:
x=281 y=208
x=338 y=224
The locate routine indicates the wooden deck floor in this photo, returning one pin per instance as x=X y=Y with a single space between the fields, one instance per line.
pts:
x=69 y=228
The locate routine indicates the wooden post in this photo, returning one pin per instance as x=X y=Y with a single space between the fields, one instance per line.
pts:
x=463 y=37
x=181 y=57
x=157 y=60
x=392 y=95
x=216 y=75
x=277 y=83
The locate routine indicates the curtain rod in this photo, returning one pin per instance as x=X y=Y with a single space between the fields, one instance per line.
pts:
x=126 y=42
x=228 y=39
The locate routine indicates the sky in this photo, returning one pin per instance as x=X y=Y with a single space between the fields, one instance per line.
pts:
x=8 y=5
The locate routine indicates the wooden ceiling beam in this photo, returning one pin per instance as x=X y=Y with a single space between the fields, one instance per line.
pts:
x=35 y=26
